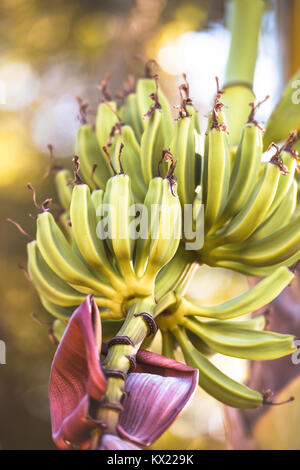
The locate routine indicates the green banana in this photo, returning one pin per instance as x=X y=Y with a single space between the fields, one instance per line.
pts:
x=166 y=235
x=132 y=115
x=152 y=144
x=131 y=161
x=183 y=149
x=119 y=199
x=168 y=344
x=254 y=212
x=62 y=313
x=281 y=216
x=64 y=188
x=106 y=119
x=48 y=284
x=146 y=88
x=245 y=170
x=217 y=172
x=272 y=250
x=84 y=227
x=263 y=293
x=232 y=340
x=63 y=260
x=89 y=152
x=285 y=116
x=285 y=180
x=213 y=381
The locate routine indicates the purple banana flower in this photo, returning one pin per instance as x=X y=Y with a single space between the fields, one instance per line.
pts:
x=156 y=391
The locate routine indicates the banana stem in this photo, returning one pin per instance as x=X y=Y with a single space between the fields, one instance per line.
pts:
x=120 y=360
x=244 y=23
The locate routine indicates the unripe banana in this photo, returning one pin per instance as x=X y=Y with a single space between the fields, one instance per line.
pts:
x=119 y=199
x=64 y=188
x=62 y=313
x=280 y=217
x=254 y=212
x=63 y=221
x=89 y=152
x=132 y=115
x=213 y=381
x=245 y=170
x=150 y=213
x=285 y=116
x=261 y=294
x=63 y=260
x=216 y=173
x=146 y=88
x=232 y=340
x=48 y=284
x=131 y=161
x=84 y=227
x=168 y=344
x=274 y=249
x=167 y=232
x=152 y=144
x=183 y=149
x=106 y=119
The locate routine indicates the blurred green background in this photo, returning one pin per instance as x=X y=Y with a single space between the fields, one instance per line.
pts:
x=50 y=53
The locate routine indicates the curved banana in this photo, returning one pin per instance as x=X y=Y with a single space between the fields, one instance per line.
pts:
x=183 y=148
x=285 y=180
x=64 y=188
x=213 y=381
x=232 y=340
x=152 y=144
x=84 y=227
x=57 y=311
x=168 y=344
x=272 y=250
x=62 y=259
x=131 y=161
x=254 y=212
x=48 y=284
x=89 y=152
x=216 y=174
x=167 y=232
x=106 y=119
x=132 y=115
x=261 y=294
x=119 y=199
x=286 y=114
x=245 y=170
x=145 y=88
x=281 y=215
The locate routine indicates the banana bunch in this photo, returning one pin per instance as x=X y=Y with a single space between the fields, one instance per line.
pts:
x=249 y=206
x=100 y=255
x=201 y=331
x=135 y=159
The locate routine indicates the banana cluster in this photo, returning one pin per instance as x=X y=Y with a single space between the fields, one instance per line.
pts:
x=135 y=156
x=77 y=255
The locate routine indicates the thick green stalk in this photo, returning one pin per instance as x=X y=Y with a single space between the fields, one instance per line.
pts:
x=244 y=21
x=119 y=361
